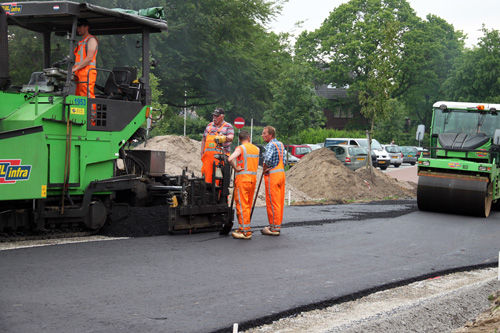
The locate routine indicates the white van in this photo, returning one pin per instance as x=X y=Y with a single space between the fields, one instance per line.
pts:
x=383 y=159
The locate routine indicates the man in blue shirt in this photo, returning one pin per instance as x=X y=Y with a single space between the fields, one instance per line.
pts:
x=274 y=177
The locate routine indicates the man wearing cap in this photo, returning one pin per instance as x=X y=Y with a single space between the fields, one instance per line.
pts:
x=224 y=132
x=85 y=60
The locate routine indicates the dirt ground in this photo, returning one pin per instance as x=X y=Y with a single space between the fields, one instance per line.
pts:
x=319 y=178
x=488 y=320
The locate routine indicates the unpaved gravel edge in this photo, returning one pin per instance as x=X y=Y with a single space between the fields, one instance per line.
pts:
x=441 y=304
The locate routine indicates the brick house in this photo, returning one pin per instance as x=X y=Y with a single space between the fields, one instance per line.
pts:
x=338 y=118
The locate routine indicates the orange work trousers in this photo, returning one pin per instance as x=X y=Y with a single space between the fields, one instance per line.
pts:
x=81 y=88
x=207 y=168
x=243 y=196
x=275 y=199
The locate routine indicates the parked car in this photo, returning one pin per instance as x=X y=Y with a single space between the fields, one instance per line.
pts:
x=353 y=157
x=421 y=151
x=395 y=154
x=298 y=150
x=409 y=154
x=292 y=160
x=383 y=160
x=314 y=146
x=374 y=159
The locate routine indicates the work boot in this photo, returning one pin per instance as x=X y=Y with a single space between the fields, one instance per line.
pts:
x=238 y=234
x=269 y=232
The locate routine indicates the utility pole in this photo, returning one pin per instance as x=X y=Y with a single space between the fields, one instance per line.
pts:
x=185 y=112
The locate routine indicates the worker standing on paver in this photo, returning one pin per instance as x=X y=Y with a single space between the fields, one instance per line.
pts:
x=274 y=177
x=225 y=133
x=245 y=161
x=85 y=61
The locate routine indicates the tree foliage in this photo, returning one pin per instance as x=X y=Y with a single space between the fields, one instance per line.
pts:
x=436 y=45
x=339 y=52
x=340 y=49
x=394 y=127
x=475 y=75
x=218 y=53
x=375 y=100
x=295 y=104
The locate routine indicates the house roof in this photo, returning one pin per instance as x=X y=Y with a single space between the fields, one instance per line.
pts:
x=331 y=93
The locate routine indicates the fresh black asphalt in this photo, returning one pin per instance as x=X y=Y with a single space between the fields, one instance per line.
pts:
x=206 y=282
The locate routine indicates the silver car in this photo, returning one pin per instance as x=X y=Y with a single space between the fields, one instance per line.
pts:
x=353 y=157
x=313 y=146
x=395 y=154
x=290 y=159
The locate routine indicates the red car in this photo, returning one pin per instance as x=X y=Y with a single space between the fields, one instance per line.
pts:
x=298 y=150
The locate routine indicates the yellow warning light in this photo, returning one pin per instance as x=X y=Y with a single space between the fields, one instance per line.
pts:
x=480 y=107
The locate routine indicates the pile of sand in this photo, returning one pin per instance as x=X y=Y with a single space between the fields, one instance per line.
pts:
x=180 y=152
x=318 y=175
x=321 y=176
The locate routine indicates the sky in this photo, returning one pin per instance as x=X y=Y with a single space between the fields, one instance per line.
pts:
x=465 y=15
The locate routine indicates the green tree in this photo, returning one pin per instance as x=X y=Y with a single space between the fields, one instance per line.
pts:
x=380 y=86
x=25 y=49
x=475 y=76
x=339 y=52
x=435 y=46
x=218 y=53
x=295 y=104
x=393 y=127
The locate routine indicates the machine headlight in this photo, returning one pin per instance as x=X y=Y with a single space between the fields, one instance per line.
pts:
x=484 y=168
x=426 y=163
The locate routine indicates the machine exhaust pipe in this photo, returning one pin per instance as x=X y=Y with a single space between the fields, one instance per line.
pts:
x=4 y=51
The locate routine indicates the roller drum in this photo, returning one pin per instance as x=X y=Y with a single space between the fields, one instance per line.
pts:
x=454 y=194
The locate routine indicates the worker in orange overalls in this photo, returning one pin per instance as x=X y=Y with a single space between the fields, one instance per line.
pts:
x=245 y=161
x=225 y=133
x=85 y=60
x=274 y=177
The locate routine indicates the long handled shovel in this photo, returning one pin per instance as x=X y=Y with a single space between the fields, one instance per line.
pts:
x=226 y=228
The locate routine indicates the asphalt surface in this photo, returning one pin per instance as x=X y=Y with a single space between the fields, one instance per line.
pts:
x=206 y=282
